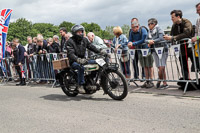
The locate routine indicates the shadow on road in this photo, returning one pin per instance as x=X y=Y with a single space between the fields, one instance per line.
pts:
x=57 y=97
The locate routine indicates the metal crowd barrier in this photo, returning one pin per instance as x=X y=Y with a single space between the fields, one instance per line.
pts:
x=173 y=66
x=37 y=68
x=40 y=67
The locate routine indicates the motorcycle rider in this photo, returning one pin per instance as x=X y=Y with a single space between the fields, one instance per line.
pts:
x=76 y=50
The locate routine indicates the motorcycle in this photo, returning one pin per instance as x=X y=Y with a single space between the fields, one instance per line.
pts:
x=103 y=74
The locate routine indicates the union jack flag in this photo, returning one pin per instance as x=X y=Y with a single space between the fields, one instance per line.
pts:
x=5 y=15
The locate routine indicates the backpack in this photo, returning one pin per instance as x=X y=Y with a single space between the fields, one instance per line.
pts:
x=140 y=30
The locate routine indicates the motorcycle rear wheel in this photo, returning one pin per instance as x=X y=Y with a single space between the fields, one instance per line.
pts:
x=67 y=87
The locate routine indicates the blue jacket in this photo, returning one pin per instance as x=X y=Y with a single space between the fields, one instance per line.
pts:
x=122 y=40
x=138 y=39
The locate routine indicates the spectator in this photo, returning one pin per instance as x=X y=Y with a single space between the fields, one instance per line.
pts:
x=133 y=38
x=155 y=36
x=8 y=50
x=19 y=60
x=197 y=35
x=137 y=38
x=53 y=47
x=120 y=41
x=181 y=28
x=63 y=32
x=35 y=40
x=56 y=39
x=31 y=48
x=67 y=37
x=96 y=41
x=41 y=47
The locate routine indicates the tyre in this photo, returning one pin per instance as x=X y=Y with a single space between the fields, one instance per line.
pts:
x=115 y=85
x=69 y=87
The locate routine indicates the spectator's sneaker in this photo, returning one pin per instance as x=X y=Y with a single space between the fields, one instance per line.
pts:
x=162 y=87
x=158 y=84
x=150 y=85
x=144 y=85
x=81 y=89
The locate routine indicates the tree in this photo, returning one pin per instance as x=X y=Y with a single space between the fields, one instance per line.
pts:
x=67 y=25
x=19 y=29
x=93 y=27
x=126 y=29
x=46 y=29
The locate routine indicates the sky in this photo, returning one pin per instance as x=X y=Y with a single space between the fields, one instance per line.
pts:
x=103 y=12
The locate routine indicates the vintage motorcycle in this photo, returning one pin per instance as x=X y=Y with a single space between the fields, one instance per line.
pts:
x=103 y=75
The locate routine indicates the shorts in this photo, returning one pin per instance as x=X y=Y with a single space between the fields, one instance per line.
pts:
x=162 y=61
x=146 y=61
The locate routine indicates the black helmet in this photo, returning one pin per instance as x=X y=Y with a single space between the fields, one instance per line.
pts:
x=74 y=30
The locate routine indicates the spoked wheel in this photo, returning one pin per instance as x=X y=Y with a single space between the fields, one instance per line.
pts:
x=115 y=85
x=68 y=87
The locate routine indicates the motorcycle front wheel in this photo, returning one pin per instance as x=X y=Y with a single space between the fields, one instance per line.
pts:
x=115 y=85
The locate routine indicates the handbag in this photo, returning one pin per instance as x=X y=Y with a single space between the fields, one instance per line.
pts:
x=125 y=57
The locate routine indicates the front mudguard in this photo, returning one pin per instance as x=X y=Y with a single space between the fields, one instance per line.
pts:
x=61 y=74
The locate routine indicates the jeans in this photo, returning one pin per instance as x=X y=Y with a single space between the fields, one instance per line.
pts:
x=136 y=68
x=125 y=66
x=81 y=70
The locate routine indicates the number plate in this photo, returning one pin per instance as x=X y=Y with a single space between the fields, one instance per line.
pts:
x=101 y=62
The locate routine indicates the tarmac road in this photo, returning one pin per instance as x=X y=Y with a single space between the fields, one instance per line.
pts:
x=48 y=110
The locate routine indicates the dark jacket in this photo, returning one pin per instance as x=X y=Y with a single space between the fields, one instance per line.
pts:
x=181 y=31
x=7 y=54
x=77 y=50
x=31 y=49
x=62 y=44
x=19 y=55
x=54 y=48
x=43 y=48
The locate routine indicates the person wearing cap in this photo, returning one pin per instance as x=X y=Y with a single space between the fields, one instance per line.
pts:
x=135 y=61
x=154 y=38
x=137 y=39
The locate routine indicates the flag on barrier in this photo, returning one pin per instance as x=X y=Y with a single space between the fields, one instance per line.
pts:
x=176 y=49
x=145 y=52
x=22 y=71
x=132 y=53
x=48 y=57
x=159 y=52
x=108 y=50
x=54 y=56
x=64 y=55
x=5 y=15
x=119 y=53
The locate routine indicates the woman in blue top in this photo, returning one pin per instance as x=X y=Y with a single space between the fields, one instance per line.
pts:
x=120 y=41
